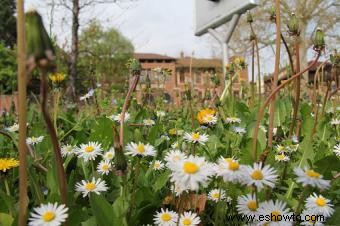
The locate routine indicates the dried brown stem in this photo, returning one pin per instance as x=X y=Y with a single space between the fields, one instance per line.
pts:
x=54 y=138
x=261 y=111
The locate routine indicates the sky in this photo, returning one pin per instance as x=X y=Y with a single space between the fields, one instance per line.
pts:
x=156 y=26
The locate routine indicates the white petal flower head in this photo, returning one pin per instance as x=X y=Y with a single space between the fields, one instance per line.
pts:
x=239 y=130
x=96 y=186
x=233 y=120
x=259 y=176
x=319 y=205
x=48 y=215
x=216 y=195
x=140 y=149
x=311 y=219
x=229 y=169
x=109 y=154
x=157 y=165
x=148 y=122
x=160 y=114
x=196 y=138
x=118 y=117
x=280 y=148
x=174 y=156
x=178 y=189
x=189 y=219
x=104 y=167
x=165 y=218
x=34 y=140
x=277 y=211
x=89 y=151
x=310 y=177
x=175 y=145
x=247 y=204
x=192 y=172
x=210 y=119
x=336 y=150
x=282 y=157
x=13 y=128
x=67 y=150
x=335 y=121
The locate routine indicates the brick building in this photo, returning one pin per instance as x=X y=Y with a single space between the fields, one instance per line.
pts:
x=185 y=72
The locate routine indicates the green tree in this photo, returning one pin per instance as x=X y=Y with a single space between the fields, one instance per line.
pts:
x=8 y=70
x=8 y=32
x=103 y=55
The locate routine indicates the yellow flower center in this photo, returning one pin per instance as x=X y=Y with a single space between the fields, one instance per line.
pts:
x=216 y=195
x=105 y=167
x=109 y=155
x=312 y=219
x=252 y=205
x=281 y=156
x=234 y=166
x=90 y=186
x=195 y=136
x=157 y=165
x=190 y=167
x=228 y=160
x=257 y=175
x=89 y=149
x=320 y=202
x=275 y=215
x=48 y=216
x=312 y=173
x=140 y=148
x=172 y=131
x=166 y=217
x=186 y=222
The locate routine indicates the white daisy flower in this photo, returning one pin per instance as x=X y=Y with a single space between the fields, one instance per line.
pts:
x=48 y=215
x=96 y=186
x=259 y=176
x=280 y=148
x=109 y=154
x=276 y=210
x=175 y=145
x=165 y=218
x=174 y=156
x=239 y=130
x=67 y=150
x=282 y=157
x=189 y=219
x=233 y=120
x=311 y=219
x=13 y=128
x=216 y=195
x=87 y=95
x=335 y=121
x=247 y=204
x=319 y=205
x=165 y=137
x=178 y=189
x=140 y=149
x=196 y=138
x=118 y=117
x=192 y=172
x=336 y=149
x=160 y=114
x=89 y=151
x=34 y=140
x=229 y=169
x=210 y=119
x=310 y=177
x=295 y=139
x=104 y=167
x=157 y=165
x=148 y=122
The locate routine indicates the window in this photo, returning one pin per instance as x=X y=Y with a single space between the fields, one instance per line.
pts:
x=181 y=77
x=198 y=78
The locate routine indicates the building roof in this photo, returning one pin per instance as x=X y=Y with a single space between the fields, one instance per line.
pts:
x=152 y=56
x=198 y=62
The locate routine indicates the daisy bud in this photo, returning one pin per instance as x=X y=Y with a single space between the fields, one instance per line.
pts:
x=249 y=18
x=293 y=25
x=319 y=40
x=40 y=50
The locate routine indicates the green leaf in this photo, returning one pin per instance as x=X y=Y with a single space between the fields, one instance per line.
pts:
x=328 y=164
x=102 y=210
x=6 y=219
x=161 y=181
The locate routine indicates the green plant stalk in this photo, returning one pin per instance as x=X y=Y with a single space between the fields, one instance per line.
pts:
x=276 y=72
x=252 y=74
x=297 y=85
x=258 y=63
x=263 y=107
x=56 y=97
x=302 y=199
x=54 y=138
x=21 y=59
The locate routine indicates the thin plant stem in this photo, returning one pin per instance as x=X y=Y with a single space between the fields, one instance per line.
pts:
x=54 y=138
x=276 y=72
x=21 y=59
x=261 y=110
x=252 y=74
x=302 y=199
x=258 y=63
